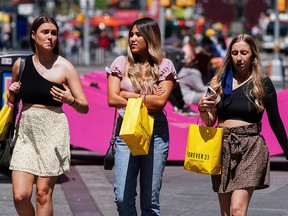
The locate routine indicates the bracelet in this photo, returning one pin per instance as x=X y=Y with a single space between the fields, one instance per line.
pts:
x=144 y=100
x=201 y=111
x=72 y=102
x=9 y=104
x=140 y=96
x=78 y=105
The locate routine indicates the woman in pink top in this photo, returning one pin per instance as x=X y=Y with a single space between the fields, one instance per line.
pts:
x=145 y=73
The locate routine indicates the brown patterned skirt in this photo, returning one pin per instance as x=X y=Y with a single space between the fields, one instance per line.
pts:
x=245 y=160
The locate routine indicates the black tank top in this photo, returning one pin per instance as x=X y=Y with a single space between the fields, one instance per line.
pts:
x=35 y=89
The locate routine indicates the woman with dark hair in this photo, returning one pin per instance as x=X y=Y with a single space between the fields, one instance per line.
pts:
x=145 y=73
x=42 y=140
x=243 y=94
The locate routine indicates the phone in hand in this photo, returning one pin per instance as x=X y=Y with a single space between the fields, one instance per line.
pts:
x=211 y=91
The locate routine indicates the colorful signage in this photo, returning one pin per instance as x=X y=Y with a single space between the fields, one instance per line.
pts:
x=6 y=81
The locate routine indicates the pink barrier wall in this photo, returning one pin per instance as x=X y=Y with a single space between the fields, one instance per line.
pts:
x=93 y=131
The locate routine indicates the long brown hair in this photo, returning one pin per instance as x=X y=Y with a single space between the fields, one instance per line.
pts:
x=257 y=91
x=143 y=79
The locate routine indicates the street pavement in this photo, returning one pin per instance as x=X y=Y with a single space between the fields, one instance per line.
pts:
x=88 y=189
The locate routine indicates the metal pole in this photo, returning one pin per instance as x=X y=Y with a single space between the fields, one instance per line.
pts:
x=162 y=22
x=276 y=31
x=86 y=41
x=14 y=31
x=276 y=63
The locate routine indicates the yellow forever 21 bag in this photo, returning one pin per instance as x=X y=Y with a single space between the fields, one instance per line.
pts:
x=204 y=150
x=6 y=116
x=137 y=127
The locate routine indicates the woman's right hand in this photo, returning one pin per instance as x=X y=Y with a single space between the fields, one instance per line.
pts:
x=207 y=109
x=14 y=88
x=206 y=103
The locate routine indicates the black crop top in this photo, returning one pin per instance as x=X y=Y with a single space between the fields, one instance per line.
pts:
x=35 y=89
x=241 y=108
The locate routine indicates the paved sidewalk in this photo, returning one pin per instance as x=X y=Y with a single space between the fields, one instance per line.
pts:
x=88 y=191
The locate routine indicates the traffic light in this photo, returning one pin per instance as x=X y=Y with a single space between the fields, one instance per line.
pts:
x=185 y=3
x=80 y=18
x=281 y=5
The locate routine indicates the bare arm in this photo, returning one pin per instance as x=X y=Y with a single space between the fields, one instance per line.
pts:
x=207 y=108
x=73 y=93
x=15 y=85
x=159 y=100
x=156 y=101
x=113 y=93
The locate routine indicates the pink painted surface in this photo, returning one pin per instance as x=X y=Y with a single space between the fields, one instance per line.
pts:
x=93 y=131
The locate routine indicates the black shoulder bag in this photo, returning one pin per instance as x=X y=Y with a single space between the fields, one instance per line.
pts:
x=109 y=156
x=6 y=146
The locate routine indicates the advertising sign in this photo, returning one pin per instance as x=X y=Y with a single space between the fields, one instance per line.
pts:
x=6 y=78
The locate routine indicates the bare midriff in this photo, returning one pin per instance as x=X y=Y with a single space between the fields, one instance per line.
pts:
x=37 y=105
x=232 y=123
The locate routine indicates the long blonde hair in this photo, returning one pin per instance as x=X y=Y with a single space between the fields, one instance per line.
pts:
x=143 y=78
x=257 y=91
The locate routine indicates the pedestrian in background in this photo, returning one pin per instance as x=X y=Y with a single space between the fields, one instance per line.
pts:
x=190 y=76
x=145 y=73
x=42 y=141
x=243 y=94
x=177 y=56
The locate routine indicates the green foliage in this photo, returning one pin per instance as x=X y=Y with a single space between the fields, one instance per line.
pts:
x=101 y=4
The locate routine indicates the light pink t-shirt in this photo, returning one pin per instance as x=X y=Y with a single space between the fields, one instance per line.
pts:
x=118 y=66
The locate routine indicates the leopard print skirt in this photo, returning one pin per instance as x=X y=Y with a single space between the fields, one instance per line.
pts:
x=245 y=160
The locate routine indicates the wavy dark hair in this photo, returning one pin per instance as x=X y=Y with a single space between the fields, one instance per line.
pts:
x=36 y=24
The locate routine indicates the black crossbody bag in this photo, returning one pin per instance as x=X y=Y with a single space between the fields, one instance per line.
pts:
x=6 y=146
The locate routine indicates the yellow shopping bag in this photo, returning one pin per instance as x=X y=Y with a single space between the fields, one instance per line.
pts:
x=137 y=127
x=204 y=150
x=6 y=115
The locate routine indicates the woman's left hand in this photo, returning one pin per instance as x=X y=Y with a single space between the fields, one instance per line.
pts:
x=62 y=96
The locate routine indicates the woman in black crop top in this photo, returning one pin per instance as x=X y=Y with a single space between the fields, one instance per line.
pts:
x=243 y=94
x=42 y=141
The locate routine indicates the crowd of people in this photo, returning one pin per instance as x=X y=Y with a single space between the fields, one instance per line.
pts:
x=42 y=152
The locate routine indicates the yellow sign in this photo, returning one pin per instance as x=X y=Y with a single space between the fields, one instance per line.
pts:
x=281 y=5
x=185 y=3
x=165 y=3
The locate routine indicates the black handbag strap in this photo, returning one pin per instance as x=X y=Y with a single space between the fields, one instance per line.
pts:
x=17 y=98
x=114 y=124
x=112 y=140
x=21 y=68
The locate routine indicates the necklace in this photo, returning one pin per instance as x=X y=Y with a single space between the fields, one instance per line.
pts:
x=42 y=69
